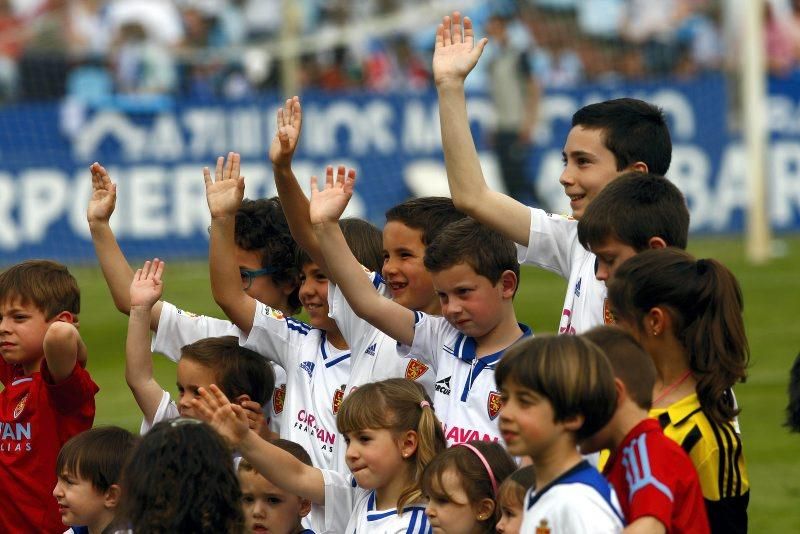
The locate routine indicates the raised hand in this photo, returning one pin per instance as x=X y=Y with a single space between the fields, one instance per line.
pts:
x=455 y=54
x=147 y=286
x=225 y=193
x=104 y=195
x=290 y=118
x=328 y=204
x=229 y=420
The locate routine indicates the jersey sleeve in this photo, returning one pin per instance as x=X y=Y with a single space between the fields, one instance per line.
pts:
x=354 y=329
x=653 y=483
x=273 y=335
x=550 y=243
x=340 y=497
x=177 y=328
x=166 y=410
x=429 y=333
x=73 y=396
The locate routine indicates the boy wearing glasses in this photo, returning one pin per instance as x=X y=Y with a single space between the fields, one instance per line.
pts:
x=265 y=253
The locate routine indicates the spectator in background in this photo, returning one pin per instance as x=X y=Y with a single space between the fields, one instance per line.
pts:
x=12 y=39
x=515 y=95
x=779 y=40
x=141 y=64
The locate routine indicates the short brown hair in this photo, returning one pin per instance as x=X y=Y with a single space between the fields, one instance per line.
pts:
x=293 y=448
x=513 y=488
x=48 y=285
x=468 y=241
x=631 y=364
x=571 y=372
x=97 y=455
x=239 y=371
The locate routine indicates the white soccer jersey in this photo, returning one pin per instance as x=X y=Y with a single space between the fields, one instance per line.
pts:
x=580 y=500
x=375 y=355
x=167 y=409
x=466 y=398
x=553 y=245
x=177 y=328
x=355 y=507
x=316 y=374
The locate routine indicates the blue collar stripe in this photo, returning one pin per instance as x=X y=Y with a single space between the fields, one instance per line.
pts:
x=337 y=360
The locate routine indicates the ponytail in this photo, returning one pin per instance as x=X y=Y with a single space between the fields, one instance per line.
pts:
x=399 y=405
x=705 y=302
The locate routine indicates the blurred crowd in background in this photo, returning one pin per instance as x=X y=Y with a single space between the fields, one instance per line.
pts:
x=91 y=49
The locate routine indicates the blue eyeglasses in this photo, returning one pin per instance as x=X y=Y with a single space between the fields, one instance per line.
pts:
x=248 y=275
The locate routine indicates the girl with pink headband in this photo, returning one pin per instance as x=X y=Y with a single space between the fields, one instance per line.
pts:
x=461 y=484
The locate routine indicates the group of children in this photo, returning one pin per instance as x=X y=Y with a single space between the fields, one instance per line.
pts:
x=412 y=400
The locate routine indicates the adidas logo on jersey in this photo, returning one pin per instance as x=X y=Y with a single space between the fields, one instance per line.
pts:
x=308 y=367
x=578 y=287
x=443 y=386
x=370 y=350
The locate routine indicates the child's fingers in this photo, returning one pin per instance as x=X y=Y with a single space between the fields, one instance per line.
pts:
x=159 y=270
x=328 y=177
x=137 y=275
x=446 y=38
x=457 y=37
x=218 y=169
x=439 y=42
x=469 y=32
x=207 y=177
x=297 y=111
x=219 y=395
x=208 y=399
x=340 y=174
x=236 y=161
x=314 y=186
x=226 y=171
x=146 y=269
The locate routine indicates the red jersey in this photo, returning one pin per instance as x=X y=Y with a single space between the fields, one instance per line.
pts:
x=654 y=477
x=36 y=418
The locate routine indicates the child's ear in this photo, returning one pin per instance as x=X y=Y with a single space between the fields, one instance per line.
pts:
x=656 y=243
x=639 y=166
x=622 y=391
x=408 y=443
x=241 y=398
x=573 y=423
x=111 y=496
x=66 y=317
x=656 y=322
x=508 y=281
x=484 y=509
x=305 y=507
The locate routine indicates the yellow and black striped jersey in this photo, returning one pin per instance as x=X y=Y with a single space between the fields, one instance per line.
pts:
x=717 y=454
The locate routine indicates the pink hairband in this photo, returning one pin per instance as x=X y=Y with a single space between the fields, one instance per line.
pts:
x=482 y=458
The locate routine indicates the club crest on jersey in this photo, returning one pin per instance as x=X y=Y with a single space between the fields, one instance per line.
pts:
x=415 y=369
x=338 y=396
x=608 y=315
x=272 y=312
x=543 y=528
x=20 y=406
x=278 y=397
x=493 y=404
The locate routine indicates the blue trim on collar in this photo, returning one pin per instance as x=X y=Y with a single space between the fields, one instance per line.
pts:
x=465 y=346
x=324 y=352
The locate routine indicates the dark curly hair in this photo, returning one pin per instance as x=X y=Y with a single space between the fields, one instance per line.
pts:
x=180 y=478
x=261 y=226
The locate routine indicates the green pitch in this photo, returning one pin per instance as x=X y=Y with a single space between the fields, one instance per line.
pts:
x=772 y=312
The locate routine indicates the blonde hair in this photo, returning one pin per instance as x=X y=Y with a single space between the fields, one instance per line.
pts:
x=398 y=405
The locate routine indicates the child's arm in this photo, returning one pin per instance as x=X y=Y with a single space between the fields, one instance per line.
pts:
x=145 y=290
x=294 y=201
x=275 y=464
x=224 y=196
x=326 y=208
x=62 y=347
x=454 y=56
x=645 y=525
x=116 y=271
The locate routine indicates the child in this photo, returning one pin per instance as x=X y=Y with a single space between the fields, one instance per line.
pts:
x=47 y=396
x=475 y=273
x=391 y=433
x=556 y=392
x=265 y=254
x=88 y=469
x=687 y=314
x=180 y=478
x=316 y=356
x=511 y=499
x=265 y=505
x=607 y=139
x=410 y=227
x=655 y=481
x=635 y=212
x=242 y=373
x=462 y=485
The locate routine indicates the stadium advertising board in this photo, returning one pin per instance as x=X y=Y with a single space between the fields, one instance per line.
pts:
x=156 y=156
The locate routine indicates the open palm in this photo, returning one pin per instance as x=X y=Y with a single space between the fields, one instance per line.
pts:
x=147 y=286
x=104 y=195
x=455 y=53
x=328 y=203
x=289 y=119
x=224 y=194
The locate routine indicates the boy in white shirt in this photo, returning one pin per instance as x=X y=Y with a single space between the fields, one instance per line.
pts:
x=475 y=274
x=607 y=139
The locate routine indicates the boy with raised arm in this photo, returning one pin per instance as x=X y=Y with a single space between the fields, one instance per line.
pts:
x=48 y=396
x=607 y=139
x=475 y=274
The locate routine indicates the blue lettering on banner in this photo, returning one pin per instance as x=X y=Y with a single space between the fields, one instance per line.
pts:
x=393 y=141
